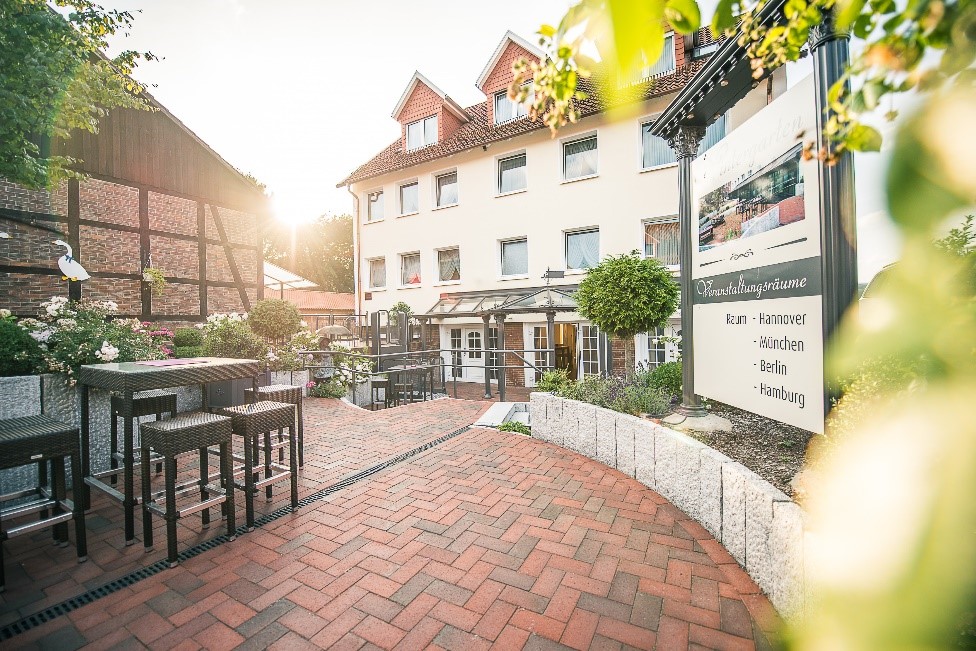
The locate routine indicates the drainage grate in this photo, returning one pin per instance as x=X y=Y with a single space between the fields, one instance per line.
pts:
x=68 y=605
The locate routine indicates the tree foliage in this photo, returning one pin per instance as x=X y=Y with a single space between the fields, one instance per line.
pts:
x=54 y=81
x=321 y=251
x=627 y=294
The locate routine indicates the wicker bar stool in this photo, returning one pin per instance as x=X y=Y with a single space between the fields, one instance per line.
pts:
x=378 y=384
x=254 y=422
x=169 y=438
x=146 y=403
x=42 y=440
x=283 y=393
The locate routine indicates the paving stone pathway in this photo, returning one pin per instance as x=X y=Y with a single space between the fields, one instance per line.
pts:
x=487 y=540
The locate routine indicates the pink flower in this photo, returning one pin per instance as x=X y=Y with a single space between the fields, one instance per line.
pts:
x=309 y=385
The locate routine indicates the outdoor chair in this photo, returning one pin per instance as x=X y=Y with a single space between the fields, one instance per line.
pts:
x=146 y=403
x=283 y=393
x=170 y=438
x=256 y=421
x=377 y=384
x=42 y=440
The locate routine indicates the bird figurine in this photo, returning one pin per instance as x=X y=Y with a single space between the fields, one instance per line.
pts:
x=70 y=268
x=4 y=235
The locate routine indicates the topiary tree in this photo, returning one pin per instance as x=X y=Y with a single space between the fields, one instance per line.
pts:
x=628 y=294
x=274 y=318
x=398 y=308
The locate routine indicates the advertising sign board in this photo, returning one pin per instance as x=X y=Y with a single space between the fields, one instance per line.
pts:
x=756 y=269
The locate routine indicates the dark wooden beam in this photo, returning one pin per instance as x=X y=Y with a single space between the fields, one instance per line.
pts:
x=231 y=260
x=145 y=253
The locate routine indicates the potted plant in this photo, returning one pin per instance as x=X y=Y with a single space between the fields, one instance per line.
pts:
x=155 y=279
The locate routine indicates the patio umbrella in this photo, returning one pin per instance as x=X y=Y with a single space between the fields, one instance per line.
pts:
x=334 y=331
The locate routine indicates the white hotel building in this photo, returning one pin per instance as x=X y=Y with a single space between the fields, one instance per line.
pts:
x=470 y=207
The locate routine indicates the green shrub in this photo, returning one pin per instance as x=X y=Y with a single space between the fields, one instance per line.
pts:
x=230 y=337
x=274 y=318
x=328 y=389
x=636 y=399
x=189 y=351
x=187 y=337
x=515 y=426
x=20 y=354
x=555 y=380
x=667 y=377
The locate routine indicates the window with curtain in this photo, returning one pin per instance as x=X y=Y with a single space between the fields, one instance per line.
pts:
x=374 y=206
x=657 y=353
x=511 y=174
x=515 y=257
x=409 y=198
x=422 y=133
x=377 y=273
x=665 y=64
x=579 y=158
x=447 y=189
x=662 y=240
x=656 y=150
x=410 y=269
x=713 y=134
x=449 y=264
x=507 y=110
x=582 y=249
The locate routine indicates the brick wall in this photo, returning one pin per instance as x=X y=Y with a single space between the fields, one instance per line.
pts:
x=180 y=258
x=127 y=293
x=501 y=75
x=514 y=340
x=618 y=353
x=23 y=294
x=16 y=197
x=172 y=214
x=178 y=298
x=111 y=203
x=109 y=251
x=227 y=299
x=240 y=227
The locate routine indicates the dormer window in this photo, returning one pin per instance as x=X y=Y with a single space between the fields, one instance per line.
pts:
x=664 y=65
x=506 y=110
x=422 y=133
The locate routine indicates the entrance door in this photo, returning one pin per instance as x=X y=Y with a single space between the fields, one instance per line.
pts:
x=588 y=350
x=564 y=336
x=466 y=359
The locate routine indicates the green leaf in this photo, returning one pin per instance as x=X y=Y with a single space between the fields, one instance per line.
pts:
x=723 y=18
x=683 y=15
x=547 y=31
x=848 y=11
x=864 y=138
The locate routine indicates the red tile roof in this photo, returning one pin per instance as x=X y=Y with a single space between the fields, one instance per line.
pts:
x=479 y=131
x=307 y=300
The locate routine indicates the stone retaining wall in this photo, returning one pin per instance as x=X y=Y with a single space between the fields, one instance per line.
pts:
x=757 y=523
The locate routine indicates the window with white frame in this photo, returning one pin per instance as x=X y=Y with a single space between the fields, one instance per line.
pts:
x=579 y=158
x=665 y=63
x=583 y=249
x=662 y=240
x=657 y=351
x=422 y=133
x=713 y=134
x=511 y=174
x=377 y=273
x=589 y=349
x=515 y=257
x=655 y=150
x=409 y=198
x=409 y=269
x=506 y=110
x=446 y=189
x=449 y=264
x=374 y=206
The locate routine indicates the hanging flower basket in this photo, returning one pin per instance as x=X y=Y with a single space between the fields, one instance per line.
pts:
x=155 y=279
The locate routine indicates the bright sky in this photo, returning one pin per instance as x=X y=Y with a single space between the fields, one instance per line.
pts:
x=299 y=92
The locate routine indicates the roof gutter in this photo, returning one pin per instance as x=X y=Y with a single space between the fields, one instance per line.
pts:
x=355 y=249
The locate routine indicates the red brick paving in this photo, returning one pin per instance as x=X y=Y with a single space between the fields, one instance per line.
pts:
x=489 y=540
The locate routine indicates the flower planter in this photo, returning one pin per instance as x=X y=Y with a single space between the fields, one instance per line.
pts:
x=293 y=378
x=227 y=393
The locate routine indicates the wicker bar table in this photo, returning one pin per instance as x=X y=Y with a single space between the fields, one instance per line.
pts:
x=130 y=377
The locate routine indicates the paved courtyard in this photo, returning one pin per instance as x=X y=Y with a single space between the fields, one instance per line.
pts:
x=469 y=539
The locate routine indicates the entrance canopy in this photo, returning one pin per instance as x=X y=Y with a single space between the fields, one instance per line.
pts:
x=523 y=301
x=281 y=279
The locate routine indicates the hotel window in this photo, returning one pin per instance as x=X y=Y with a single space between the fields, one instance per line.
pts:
x=589 y=349
x=583 y=249
x=446 y=188
x=579 y=158
x=374 y=206
x=448 y=265
x=409 y=198
x=515 y=257
x=662 y=240
x=410 y=269
x=506 y=110
x=422 y=133
x=511 y=174
x=656 y=151
x=377 y=273
x=664 y=65
x=657 y=352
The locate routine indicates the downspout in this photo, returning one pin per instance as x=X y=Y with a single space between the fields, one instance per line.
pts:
x=355 y=248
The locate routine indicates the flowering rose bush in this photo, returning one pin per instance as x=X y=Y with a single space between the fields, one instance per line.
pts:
x=344 y=371
x=229 y=335
x=286 y=357
x=71 y=334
